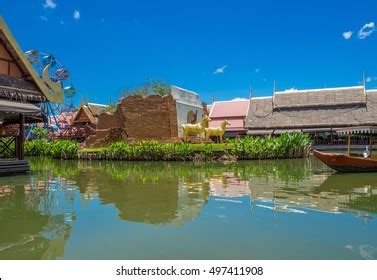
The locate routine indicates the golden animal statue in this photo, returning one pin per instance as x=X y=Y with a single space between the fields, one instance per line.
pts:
x=196 y=129
x=217 y=131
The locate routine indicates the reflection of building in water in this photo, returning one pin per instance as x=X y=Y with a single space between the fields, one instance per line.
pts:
x=165 y=202
x=34 y=220
x=335 y=193
x=160 y=195
x=228 y=185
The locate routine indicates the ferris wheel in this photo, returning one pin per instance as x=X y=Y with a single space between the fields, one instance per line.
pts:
x=56 y=112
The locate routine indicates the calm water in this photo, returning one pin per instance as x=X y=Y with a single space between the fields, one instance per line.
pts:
x=293 y=209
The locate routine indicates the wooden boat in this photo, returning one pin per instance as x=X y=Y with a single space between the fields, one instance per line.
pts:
x=346 y=163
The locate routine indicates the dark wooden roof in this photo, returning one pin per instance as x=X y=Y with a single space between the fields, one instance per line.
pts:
x=326 y=108
x=16 y=89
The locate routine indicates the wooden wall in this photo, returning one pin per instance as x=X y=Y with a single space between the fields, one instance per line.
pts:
x=7 y=64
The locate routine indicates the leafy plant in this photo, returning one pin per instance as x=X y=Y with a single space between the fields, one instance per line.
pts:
x=39 y=133
x=152 y=87
x=60 y=149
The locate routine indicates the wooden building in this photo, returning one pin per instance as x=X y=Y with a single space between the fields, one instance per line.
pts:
x=21 y=89
x=88 y=114
x=318 y=111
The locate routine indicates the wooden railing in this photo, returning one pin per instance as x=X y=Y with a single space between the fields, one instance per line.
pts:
x=8 y=146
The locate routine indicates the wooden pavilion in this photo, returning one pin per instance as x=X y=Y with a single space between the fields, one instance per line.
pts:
x=21 y=90
x=319 y=112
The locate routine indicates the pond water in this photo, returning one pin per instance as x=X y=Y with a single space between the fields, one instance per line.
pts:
x=282 y=209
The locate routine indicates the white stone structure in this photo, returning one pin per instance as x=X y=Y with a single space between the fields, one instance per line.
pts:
x=189 y=107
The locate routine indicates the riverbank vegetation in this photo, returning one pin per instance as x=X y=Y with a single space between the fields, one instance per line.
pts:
x=289 y=145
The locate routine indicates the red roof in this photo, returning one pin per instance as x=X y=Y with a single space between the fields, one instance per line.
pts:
x=234 y=111
x=232 y=108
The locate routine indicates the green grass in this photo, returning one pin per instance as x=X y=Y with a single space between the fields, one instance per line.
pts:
x=91 y=150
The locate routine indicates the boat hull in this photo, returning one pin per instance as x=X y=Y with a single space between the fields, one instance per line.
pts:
x=345 y=163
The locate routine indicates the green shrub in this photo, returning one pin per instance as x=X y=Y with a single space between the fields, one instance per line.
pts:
x=147 y=150
x=37 y=148
x=60 y=149
x=39 y=133
x=63 y=149
x=286 y=145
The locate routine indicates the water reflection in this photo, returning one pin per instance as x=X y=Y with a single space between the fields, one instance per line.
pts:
x=165 y=192
x=39 y=212
x=35 y=218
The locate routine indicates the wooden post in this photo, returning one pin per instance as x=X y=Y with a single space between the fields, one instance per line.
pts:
x=349 y=144
x=370 y=145
x=21 y=138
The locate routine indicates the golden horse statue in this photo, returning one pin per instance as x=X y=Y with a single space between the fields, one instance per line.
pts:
x=197 y=129
x=217 y=131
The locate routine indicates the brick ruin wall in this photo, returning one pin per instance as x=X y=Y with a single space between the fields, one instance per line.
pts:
x=137 y=118
x=149 y=117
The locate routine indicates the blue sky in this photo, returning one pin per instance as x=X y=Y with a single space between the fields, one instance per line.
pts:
x=215 y=48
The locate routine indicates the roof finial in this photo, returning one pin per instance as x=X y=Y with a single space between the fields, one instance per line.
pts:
x=251 y=92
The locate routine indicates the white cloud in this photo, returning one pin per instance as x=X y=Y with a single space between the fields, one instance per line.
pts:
x=291 y=90
x=366 y=30
x=76 y=14
x=370 y=79
x=220 y=70
x=43 y=18
x=347 y=35
x=50 y=4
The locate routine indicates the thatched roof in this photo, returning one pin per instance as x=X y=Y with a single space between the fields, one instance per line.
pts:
x=310 y=109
